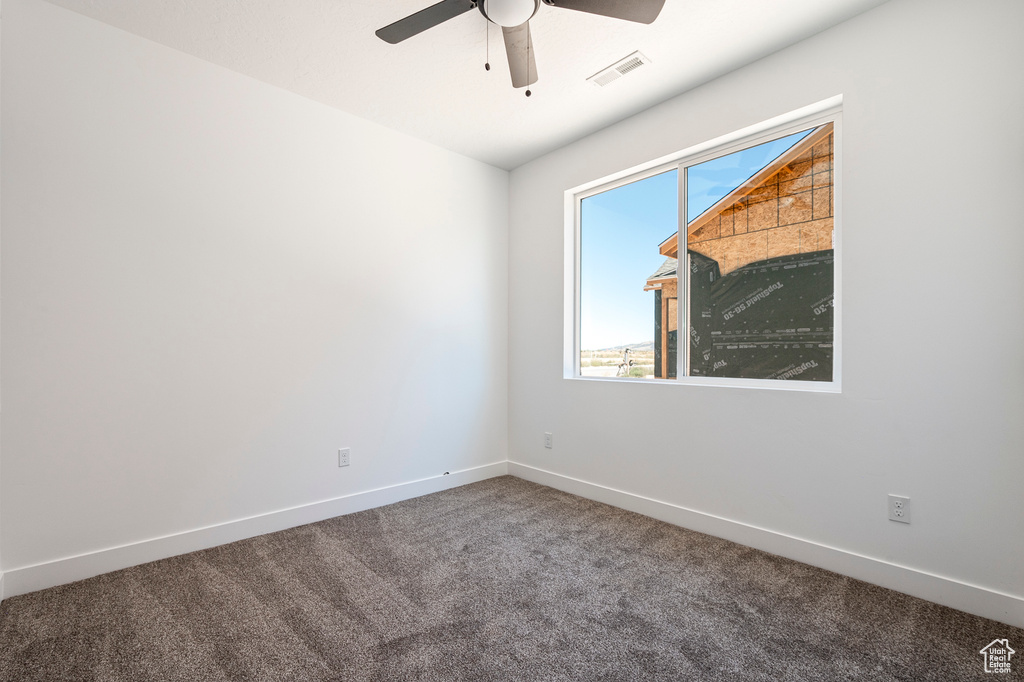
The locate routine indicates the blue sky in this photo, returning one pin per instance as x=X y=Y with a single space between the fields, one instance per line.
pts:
x=708 y=182
x=620 y=232
x=619 y=235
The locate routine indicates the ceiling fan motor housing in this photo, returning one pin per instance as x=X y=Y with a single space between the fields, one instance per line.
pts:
x=509 y=13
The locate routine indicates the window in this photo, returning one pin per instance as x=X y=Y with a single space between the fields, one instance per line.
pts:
x=753 y=222
x=621 y=230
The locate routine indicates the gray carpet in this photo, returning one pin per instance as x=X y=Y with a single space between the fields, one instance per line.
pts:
x=499 y=580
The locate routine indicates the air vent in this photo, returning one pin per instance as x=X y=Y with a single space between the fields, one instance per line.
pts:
x=624 y=66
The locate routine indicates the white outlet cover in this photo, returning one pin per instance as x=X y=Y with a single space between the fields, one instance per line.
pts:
x=899 y=509
x=344 y=455
x=548 y=441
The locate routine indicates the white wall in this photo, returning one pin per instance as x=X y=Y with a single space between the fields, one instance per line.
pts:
x=1 y=322
x=933 y=375
x=210 y=285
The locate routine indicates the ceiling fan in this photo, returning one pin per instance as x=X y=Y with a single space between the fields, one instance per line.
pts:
x=513 y=16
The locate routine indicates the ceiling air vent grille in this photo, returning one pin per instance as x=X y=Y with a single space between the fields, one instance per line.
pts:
x=619 y=69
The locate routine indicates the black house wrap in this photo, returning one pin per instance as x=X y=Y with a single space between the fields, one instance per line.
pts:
x=785 y=295
x=771 y=319
x=657 y=333
x=704 y=274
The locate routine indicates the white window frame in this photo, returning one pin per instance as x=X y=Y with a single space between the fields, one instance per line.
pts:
x=829 y=110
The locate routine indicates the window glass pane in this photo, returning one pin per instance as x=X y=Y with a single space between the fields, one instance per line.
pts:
x=625 y=279
x=759 y=249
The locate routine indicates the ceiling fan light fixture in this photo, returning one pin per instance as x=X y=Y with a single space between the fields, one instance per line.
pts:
x=513 y=17
x=509 y=13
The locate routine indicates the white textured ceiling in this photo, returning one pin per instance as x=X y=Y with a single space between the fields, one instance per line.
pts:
x=434 y=87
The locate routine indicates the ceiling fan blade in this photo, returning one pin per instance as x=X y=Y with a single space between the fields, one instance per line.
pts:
x=519 y=48
x=424 y=19
x=641 y=11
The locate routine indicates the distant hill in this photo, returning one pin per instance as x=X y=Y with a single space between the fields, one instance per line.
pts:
x=640 y=346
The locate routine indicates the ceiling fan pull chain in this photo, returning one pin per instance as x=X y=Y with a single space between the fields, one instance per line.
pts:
x=487 y=41
x=529 y=42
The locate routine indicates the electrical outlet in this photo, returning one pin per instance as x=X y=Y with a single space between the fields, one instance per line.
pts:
x=548 y=441
x=899 y=509
x=343 y=456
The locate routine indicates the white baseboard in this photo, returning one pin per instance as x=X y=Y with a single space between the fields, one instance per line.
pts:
x=1 y=587
x=69 y=569
x=980 y=601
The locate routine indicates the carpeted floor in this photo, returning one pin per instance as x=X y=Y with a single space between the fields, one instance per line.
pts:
x=499 y=580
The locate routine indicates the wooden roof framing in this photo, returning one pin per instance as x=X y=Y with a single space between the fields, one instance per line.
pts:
x=670 y=247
